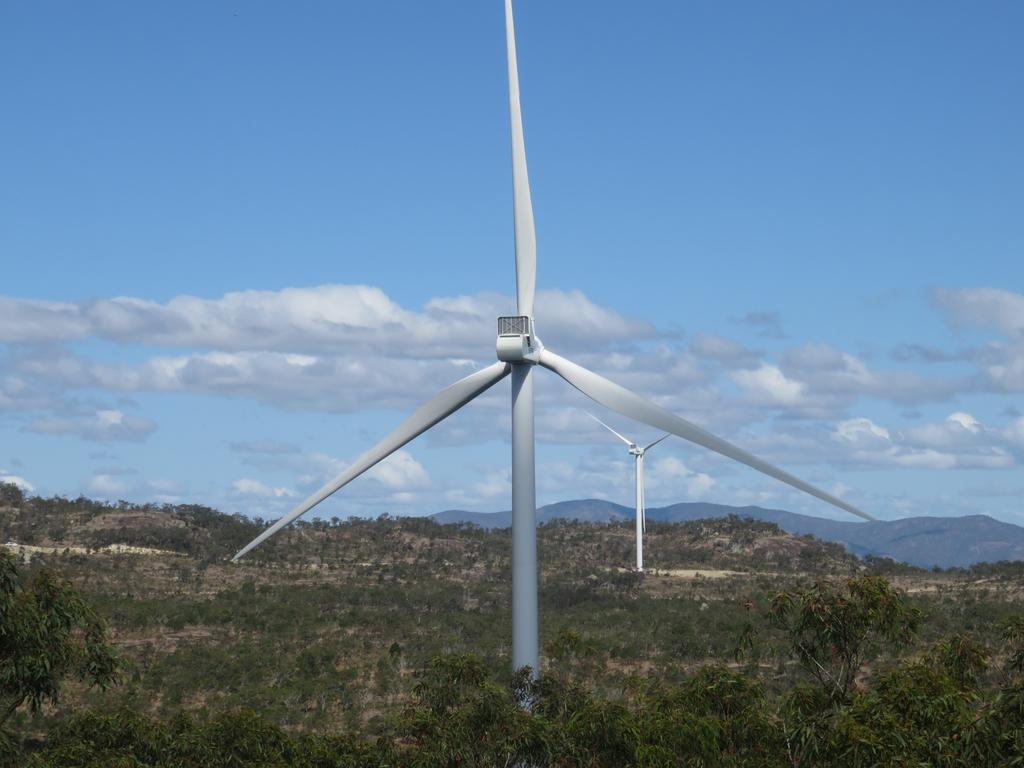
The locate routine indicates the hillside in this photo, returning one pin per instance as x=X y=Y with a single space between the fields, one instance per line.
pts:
x=330 y=622
x=354 y=607
x=946 y=542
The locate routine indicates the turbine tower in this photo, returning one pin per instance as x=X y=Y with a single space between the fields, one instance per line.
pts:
x=519 y=351
x=641 y=503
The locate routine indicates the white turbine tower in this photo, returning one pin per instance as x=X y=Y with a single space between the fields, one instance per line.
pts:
x=638 y=454
x=519 y=351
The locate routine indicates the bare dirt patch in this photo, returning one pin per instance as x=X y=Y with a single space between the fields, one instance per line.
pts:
x=25 y=551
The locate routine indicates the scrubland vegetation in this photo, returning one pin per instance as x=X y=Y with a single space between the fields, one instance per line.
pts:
x=385 y=643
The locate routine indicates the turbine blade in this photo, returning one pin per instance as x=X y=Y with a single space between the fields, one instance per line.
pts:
x=443 y=404
x=522 y=207
x=620 y=399
x=627 y=442
x=656 y=442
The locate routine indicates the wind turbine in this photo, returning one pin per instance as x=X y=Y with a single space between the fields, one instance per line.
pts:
x=519 y=351
x=641 y=504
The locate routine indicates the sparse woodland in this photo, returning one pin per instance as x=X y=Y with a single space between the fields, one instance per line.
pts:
x=385 y=643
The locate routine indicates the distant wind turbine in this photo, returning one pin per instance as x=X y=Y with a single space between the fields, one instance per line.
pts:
x=519 y=350
x=641 y=503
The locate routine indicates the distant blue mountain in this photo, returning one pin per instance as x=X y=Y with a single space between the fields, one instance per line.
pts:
x=583 y=510
x=920 y=541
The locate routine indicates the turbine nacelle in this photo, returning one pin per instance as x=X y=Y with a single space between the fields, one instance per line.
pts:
x=517 y=342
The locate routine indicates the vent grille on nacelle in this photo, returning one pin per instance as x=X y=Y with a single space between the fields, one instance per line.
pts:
x=513 y=325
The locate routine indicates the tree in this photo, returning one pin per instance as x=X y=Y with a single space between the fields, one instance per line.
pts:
x=833 y=632
x=1013 y=639
x=11 y=495
x=460 y=717
x=48 y=633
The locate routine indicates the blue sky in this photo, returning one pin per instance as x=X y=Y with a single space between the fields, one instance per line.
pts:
x=239 y=241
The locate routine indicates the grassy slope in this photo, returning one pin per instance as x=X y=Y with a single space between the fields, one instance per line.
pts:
x=327 y=624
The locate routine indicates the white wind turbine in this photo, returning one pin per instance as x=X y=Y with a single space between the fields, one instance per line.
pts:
x=638 y=454
x=519 y=351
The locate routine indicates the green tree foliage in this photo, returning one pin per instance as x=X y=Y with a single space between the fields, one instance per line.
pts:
x=241 y=739
x=347 y=644
x=47 y=634
x=462 y=718
x=834 y=631
x=933 y=709
x=1013 y=637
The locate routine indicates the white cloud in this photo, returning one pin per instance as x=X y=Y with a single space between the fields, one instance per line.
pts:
x=611 y=474
x=668 y=473
x=249 y=487
x=325 y=383
x=340 y=348
x=958 y=431
x=30 y=320
x=352 y=348
x=699 y=484
x=959 y=441
x=1014 y=431
x=1001 y=362
x=493 y=486
x=767 y=385
x=861 y=430
x=983 y=308
x=569 y=317
x=104 y=424
x=1002 y=365
x=399 y=471
x=325 y=318
x=105 y=486
x=264 y=447
x=715 y=347
x=965 y=420
x=21 y=482
x=834 y=379
x=926 y=458
x=291 y=347
x=834 y=369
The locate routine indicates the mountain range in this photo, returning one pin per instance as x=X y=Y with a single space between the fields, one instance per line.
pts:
x=922 y=541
